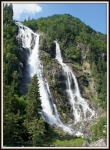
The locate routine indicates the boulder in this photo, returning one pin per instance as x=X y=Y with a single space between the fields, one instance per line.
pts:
x=85 y=144
x=100 y=143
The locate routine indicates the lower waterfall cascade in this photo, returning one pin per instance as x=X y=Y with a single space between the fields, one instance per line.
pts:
x=30 y=40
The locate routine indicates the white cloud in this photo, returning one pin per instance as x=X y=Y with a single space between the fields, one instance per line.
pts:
x=19 y=9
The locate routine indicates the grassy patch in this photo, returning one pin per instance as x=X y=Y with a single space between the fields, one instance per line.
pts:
x=73 y=142
x=62 y=139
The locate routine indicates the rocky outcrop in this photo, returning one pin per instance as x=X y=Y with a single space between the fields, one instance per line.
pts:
x=56 y=80
x=98 y=143
x=85 y=144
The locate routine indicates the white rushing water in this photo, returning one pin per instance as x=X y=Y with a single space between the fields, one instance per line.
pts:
x=81 y=110
x=49 y=110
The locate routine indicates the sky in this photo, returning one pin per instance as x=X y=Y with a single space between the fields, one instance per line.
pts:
x=92 y=14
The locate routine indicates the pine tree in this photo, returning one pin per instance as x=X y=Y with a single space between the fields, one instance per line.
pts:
x=33 y=122
x=34 y=102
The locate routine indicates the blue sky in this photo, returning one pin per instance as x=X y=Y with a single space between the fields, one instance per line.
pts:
x=92 y=14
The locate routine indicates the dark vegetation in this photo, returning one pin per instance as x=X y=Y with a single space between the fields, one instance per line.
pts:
x=21 y=120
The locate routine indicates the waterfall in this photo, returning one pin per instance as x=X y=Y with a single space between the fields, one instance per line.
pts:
x=78 y=104
x=49 y=112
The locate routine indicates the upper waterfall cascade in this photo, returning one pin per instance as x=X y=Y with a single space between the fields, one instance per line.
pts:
x=30 y=40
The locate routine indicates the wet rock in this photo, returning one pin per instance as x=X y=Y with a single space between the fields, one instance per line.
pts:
x=23 y=55
x=88 y=114
x=61 y=85
x=24 y=76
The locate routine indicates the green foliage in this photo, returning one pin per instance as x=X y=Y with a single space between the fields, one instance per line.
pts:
x=35 y=125
x=31 y=24
x=34 y=102
x=69 y=143
x=10 y=49
x=73 y=53
x=11 y=129
x=61 y=139
x=13 y=105
x=37 y=129
x=99 y=130
x=8 y=14
x=99 y=73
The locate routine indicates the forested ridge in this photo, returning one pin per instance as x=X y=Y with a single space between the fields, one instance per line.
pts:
x=22 y=124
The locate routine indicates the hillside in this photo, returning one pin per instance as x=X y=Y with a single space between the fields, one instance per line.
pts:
x=83 y=49
x=80 y=45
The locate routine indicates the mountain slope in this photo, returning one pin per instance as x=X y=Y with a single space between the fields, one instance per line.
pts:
x=81 y=46
x=84 y=50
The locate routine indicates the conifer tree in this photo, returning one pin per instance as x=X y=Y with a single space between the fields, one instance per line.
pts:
x=33 y=122
x=33 y=96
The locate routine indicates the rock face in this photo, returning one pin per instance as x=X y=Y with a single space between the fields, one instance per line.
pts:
x=56 y=80
x=57 y=85
x=25 y=79
x=100 y=143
